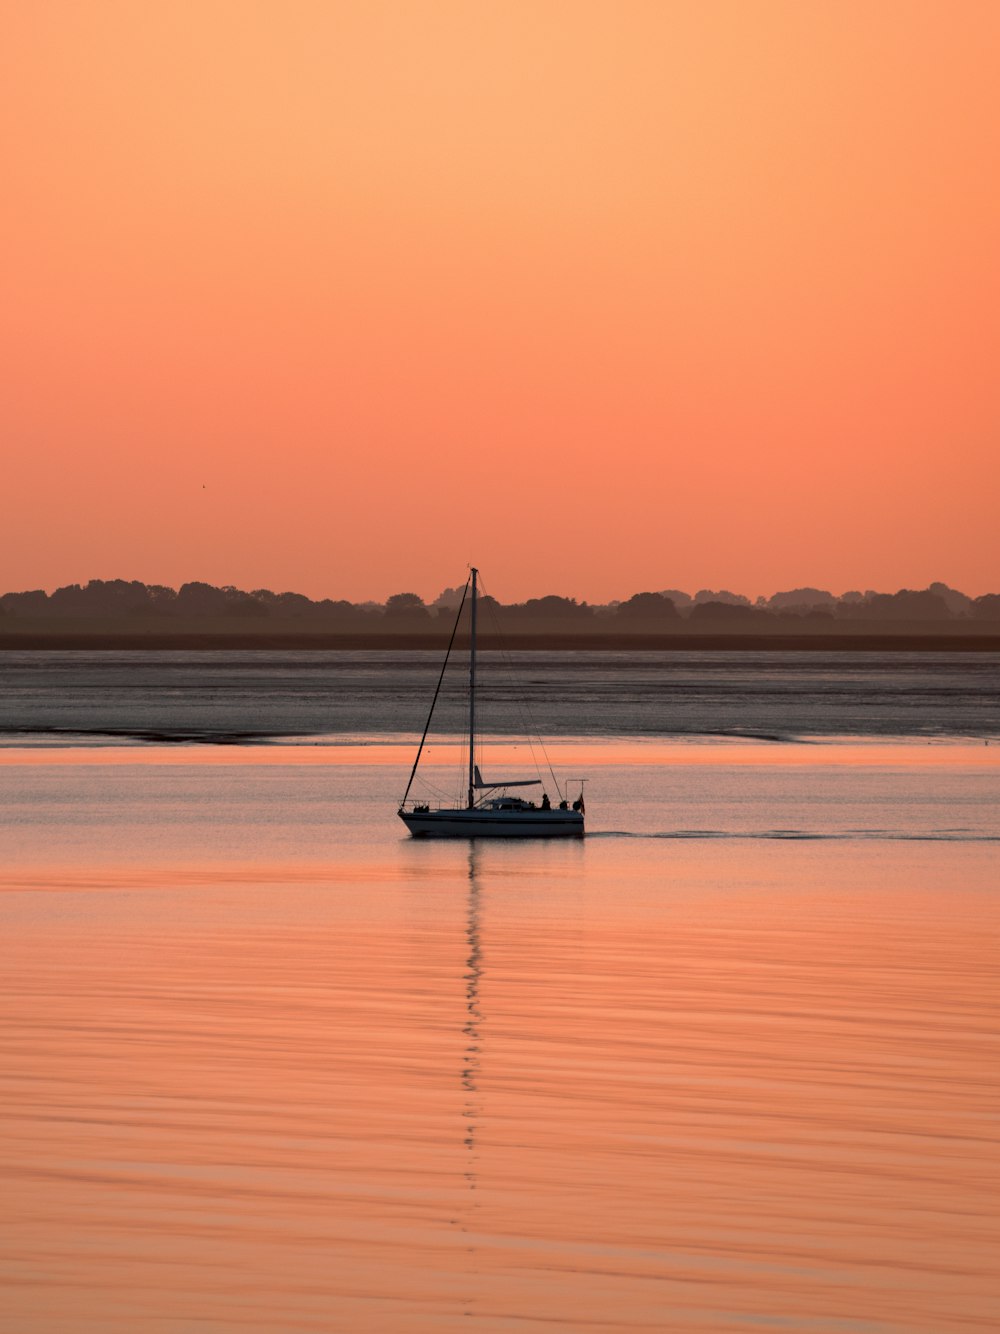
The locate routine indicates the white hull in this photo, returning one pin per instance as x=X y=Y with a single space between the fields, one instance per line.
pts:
x=461 y=823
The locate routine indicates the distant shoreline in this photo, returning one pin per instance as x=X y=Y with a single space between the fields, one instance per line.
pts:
x=881 y=640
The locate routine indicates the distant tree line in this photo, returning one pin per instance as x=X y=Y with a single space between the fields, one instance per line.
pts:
x=139 y=604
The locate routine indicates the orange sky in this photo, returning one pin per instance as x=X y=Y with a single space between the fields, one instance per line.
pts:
x=604 y=296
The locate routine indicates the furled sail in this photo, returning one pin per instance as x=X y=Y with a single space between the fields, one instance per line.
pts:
x=504 y=782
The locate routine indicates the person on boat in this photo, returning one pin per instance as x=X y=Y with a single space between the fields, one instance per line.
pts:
x=546 y=804
x=578 y=804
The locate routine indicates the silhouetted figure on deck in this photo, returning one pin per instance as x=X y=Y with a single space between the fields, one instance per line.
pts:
x=546 y=804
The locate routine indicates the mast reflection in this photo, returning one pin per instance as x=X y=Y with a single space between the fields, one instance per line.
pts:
x=473 y=1015
x=471 y=1030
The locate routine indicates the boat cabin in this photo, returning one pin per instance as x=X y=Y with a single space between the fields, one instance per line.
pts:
x=508 y=804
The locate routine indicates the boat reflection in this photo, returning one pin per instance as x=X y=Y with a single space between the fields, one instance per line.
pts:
x=473 y=1014
x=471 y=1057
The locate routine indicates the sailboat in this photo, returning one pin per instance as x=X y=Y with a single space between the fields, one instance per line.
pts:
x=490 y=810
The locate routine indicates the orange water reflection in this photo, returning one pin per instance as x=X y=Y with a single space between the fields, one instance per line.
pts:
x=598 y=1088
x=572 y=756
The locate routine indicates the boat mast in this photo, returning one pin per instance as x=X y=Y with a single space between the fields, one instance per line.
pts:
x=472 y=696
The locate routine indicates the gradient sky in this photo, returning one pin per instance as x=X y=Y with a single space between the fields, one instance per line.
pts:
x=340 y=297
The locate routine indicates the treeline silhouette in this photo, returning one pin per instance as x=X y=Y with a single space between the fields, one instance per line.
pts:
x=129 y=604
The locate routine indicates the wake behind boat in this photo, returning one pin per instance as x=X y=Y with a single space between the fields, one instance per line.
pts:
x=490 y=811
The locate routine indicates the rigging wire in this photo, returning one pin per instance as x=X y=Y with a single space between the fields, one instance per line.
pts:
x=438 y=792
x=444 y=667
x=528 y=722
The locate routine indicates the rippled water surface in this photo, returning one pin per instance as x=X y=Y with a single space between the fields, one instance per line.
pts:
x=729 y=1063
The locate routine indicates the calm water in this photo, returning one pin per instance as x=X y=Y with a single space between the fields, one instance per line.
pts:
x=728 y=1064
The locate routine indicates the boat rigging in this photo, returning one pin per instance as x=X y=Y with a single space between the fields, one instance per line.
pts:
x=490 y=811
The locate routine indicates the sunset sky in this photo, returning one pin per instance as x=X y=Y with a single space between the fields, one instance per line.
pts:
x=339 y=297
